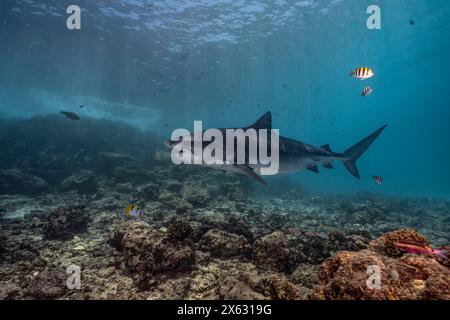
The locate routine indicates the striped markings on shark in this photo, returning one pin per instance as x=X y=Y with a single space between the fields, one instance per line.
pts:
x=286 y=154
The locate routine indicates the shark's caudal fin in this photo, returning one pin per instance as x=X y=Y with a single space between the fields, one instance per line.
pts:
x=265 y=122
x=355 y=151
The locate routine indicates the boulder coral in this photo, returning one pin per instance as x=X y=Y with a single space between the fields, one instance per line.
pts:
x=148 y=252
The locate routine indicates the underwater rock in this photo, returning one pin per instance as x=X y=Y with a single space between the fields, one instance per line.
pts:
x=64 y=222
x=14 y=181
x=107 y=162
x=149 y=192
x=231 y=225
x=385 y=243
x=310 y=248
x=196 y=195
x=183 y=207
x=128 y=174
x=233 y=289
x=235 y=191
x=2 y=246
x=281 y=289
x=306 y=275
x=345 y=276
x=271 y=252
x=180 y=230
x=47 y=285
x=340 y=241
x=173 y=185
x=84 y=182
x=148 y=252
x=224 y=244
x=126 y=188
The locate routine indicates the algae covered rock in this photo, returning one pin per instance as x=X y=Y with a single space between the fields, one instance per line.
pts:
x=196 y=195
x=271 y=252
x=223 y=244
x=64 y=222
x=107 y=162
x=281 y=289
x=351 y=275
x=148 y=252
x=383 y=272
x=233 y=289
x=14 y=181
x=84 y=182
x=180 y=230
x=385 y=243
x=49 y=284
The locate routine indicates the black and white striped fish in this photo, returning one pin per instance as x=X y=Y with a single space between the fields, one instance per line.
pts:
x=366 y=91
x=362 y=73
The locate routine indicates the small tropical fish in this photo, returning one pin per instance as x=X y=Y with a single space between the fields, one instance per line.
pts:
x=70 y=115
x=362 y=73
x=82 y=106
x=366 y=91
x=378 y=179
x=417 y=248
x=133 y=211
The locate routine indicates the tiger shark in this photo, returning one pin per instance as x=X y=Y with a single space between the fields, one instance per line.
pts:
x=293 y=155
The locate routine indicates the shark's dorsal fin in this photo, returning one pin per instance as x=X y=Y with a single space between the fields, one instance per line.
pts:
x=326 y=147
x=313 y=168
x=249 y=172
x=265 y=122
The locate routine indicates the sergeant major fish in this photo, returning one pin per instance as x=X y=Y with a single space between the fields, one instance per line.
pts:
x=362 y=73
x=366 y=91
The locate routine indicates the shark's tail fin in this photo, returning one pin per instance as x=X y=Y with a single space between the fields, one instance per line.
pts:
x=354 y=152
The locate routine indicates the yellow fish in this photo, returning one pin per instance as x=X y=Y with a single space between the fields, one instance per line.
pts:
x=133 y=210
x=362 y=73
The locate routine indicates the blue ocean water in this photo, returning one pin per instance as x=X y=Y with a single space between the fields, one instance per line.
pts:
x=160 y=65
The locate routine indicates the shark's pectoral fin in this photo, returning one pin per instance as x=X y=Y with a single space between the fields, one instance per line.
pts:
x=249 y=172
x=326 y=147
x=328 y=165
x=313 y=168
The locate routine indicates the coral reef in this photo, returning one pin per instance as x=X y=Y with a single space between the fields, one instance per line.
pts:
x=83 y=182
x=385 y=244
x=272 y=252
x=204 y=234
x=223 y=244
x=64 y=222
x=281 y=289
x=180 y=230
x=13 y=181
x=148 y=252
x=346 y=275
